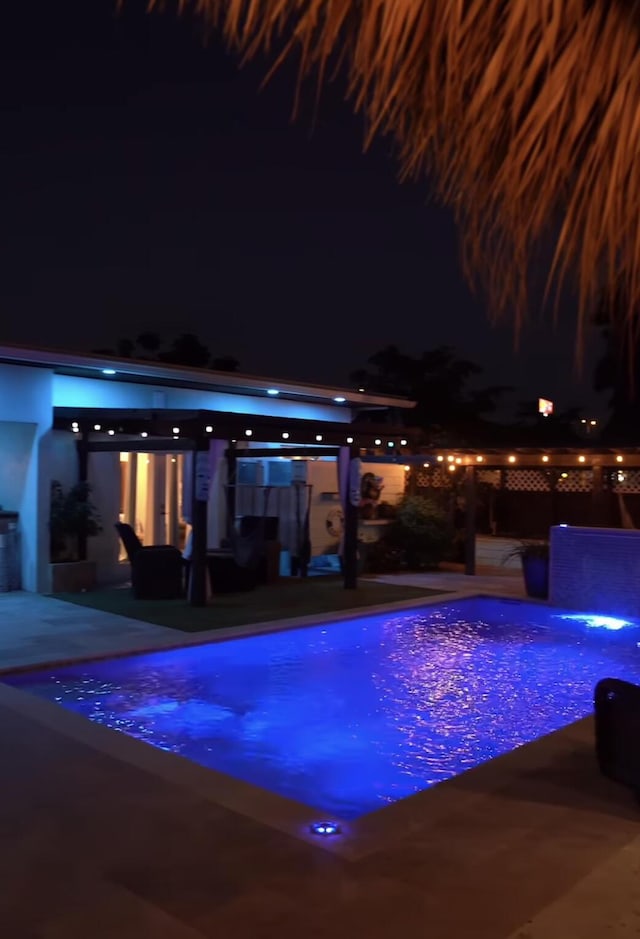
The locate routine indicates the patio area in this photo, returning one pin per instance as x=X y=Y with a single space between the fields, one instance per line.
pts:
x=533 y=845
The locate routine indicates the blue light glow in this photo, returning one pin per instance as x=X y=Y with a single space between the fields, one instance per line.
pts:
x=347 y=717
x=108 y=371
x=597 y=621
x=326 y=829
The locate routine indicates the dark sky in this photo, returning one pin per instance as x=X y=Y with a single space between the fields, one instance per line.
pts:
x=148 y=184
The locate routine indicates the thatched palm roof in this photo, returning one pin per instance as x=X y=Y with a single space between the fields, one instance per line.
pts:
x=525 y=112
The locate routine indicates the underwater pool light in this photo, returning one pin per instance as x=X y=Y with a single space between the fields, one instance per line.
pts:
x=326 y=829
x=597 y=621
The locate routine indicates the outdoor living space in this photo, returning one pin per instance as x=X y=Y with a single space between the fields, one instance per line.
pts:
x=100 y=841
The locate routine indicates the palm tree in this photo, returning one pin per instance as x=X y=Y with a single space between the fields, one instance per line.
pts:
x=524 y=112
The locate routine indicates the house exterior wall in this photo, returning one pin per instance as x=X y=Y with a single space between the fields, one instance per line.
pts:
x=25 y=429
x=33 y=454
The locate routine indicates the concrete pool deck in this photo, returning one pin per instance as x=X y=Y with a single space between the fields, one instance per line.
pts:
x=534 y=845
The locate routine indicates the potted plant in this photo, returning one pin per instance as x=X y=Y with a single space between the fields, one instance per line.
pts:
x=534 y=557
x=72 y=519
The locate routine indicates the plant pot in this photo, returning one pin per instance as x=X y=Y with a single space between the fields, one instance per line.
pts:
x=73 y=576
x=536 y=577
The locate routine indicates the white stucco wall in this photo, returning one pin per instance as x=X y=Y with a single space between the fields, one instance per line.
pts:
x=104 y=477
x=26 y=396
x=33 y=454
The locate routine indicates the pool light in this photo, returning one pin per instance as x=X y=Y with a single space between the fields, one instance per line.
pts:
x=325 y=829
x=597 y=621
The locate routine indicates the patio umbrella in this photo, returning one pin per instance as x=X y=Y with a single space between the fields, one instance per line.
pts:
x=525 y=113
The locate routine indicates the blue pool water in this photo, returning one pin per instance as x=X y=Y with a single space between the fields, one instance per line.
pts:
x=354 y=715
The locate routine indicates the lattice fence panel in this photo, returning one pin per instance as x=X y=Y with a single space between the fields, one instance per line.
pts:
x=526 y=480
x=623 y=480
x=489 y=477
x=434 y=477
x=576 y=481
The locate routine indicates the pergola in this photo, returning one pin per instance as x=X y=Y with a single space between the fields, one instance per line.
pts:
x=135 y=430
x=469 y=461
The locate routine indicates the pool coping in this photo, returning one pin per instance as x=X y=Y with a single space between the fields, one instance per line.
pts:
x=357 y=838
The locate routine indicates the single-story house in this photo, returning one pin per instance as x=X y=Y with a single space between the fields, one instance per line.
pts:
x=150 y=438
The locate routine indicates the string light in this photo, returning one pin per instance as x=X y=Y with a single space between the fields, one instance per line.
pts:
x=619 y=459
x=450 y=459
x=349 y=439
x=479 y=459
x=512 y=459
x=407 y=468
x=285 y=435
x=319 y=437
x=403 y=443
x=208 y=429
x=97 y=426
x=439 y=459
x=452 y=467
x=377 y=441
x=144 y=434
x=248 y=433
x=111 y=432
x=545 y=459
x=581 y=459
x=176 y=430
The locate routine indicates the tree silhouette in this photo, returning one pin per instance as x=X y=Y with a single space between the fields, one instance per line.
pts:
x=186 y=349
x=437 y=381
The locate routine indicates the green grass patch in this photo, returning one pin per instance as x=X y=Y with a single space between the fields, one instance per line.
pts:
x=288 y=598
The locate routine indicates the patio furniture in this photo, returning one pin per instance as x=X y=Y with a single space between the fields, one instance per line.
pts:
x=239 y=566
x=156 y=570
x=617 y=724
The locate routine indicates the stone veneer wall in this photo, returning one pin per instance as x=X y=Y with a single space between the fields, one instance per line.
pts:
x=595 y=570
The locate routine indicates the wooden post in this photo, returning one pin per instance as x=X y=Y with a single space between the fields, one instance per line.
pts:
x=200 y=498
x=350 y=545
x=470 y=491
x=232 y=477
x=598 y=505
x=83 y=477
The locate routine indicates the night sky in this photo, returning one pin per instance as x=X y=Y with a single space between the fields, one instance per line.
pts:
x=149 y=184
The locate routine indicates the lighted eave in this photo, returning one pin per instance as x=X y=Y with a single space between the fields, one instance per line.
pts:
x=133 y=370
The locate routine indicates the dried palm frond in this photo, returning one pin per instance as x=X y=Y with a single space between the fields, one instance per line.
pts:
x=525 y=112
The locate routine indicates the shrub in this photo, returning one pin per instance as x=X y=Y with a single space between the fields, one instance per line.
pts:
x=420 y=530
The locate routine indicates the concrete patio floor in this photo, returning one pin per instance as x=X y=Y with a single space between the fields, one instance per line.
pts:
x=534 y=845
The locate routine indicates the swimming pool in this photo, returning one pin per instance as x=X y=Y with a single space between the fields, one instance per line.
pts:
x=352 y=716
